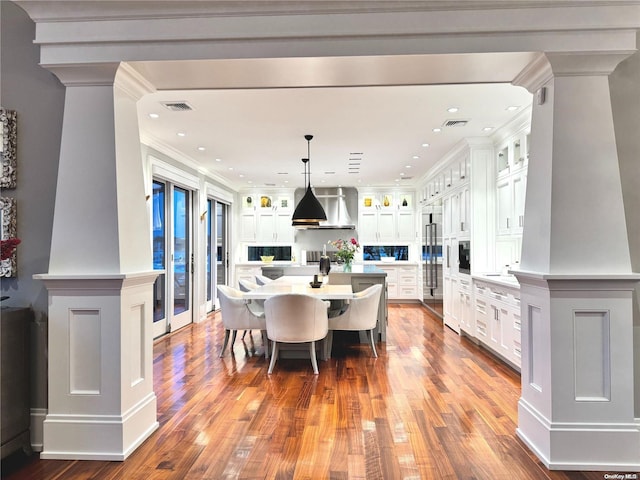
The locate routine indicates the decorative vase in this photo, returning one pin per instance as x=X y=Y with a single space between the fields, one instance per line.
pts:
x=347 y=266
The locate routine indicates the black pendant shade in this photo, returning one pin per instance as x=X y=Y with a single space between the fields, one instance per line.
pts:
x=309 y=212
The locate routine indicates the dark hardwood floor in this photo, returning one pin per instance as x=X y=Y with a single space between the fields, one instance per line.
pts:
x=432 y=406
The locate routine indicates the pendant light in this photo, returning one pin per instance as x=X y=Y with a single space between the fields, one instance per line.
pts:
x=309 y=212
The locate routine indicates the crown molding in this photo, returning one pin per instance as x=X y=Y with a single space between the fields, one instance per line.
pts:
x=132 y=82
x=534 y=75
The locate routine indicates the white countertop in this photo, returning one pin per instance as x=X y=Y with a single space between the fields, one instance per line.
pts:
x=503 y=280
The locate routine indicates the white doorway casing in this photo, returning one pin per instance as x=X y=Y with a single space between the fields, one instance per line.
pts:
x=571 y=419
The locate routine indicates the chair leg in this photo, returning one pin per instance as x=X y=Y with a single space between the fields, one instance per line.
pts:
x=224 y=344
x=314 y=362
x=373 y=342
x=244 y=334
x=233 y=339
x=265 y=342
x=328 y=345
x=274 y=357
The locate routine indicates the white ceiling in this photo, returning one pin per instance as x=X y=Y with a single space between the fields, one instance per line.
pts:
x=379 y=110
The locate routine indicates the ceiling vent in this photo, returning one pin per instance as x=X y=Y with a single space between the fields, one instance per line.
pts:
x=455 y=123
x=177 y=106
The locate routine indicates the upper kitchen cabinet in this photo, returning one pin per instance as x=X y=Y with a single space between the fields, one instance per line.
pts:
x=511 y=183
x=512 y=155
x=387 y=216
x=266 y=218
x=510 y=196
x=457 y=212
x=454 y=173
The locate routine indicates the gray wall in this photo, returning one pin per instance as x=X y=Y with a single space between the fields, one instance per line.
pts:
x=38 y=97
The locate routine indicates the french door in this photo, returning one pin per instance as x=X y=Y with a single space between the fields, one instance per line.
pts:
x=217 y=250
x=172 y=256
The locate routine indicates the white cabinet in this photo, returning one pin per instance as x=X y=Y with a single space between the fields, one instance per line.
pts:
x=376 y=225
x=274 y=226
x=406 y=226
x=464 y=206
x=451 y=305
x=465 y=313
x=402 y=281
x=511 y=184
x=248 y=225
x=407 y=282
x=392 y=281
x=510 y=196
x=266 y=218
x=456 y=213
x=497 y=320
x=387 y=217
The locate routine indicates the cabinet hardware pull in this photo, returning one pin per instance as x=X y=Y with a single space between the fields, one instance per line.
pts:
x=507 y=222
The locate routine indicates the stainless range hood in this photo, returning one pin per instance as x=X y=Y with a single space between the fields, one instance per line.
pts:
x=339 y=203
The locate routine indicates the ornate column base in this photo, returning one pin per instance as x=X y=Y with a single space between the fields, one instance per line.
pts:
x=101 y=400
x=576 y=411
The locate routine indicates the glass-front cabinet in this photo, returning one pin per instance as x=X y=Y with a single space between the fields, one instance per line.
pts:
x=266 y=217
x=387 y=216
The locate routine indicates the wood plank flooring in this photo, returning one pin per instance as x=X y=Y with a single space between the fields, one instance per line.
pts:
x=432 y=406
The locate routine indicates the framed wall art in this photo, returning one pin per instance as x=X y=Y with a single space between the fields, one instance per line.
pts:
x=8 y=147
x=9 y=222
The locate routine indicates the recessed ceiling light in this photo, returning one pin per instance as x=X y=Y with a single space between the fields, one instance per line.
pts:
x=154 y=115
x=202 y=149
x=452 y=109
x=415 y=157
x=425 y=145
x=511 y=108
x=487 y=129
x=242 y=175
x=437 y=130
x=218 y=159
x=396 y=179
x=182 y=134
x=402 y=174
x=249 y=181
x=286 y=181
x=407 y=166
x=230 y=168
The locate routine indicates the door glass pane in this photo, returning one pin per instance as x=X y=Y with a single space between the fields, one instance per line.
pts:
x=159 y=250
x=221 y=245
x=181 y=251
x=209 y=226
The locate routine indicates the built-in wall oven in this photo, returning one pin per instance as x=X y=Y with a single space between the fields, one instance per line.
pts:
x=432 y=258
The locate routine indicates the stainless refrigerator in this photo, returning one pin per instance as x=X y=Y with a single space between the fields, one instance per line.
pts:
x=432 y=258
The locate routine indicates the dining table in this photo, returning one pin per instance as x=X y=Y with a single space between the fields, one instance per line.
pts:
x=301 y=284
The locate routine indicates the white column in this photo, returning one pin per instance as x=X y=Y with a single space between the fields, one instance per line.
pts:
x=576 y=411
x=100 y=280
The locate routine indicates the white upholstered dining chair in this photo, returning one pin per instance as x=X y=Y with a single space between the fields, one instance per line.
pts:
x=256 y=306
x=262 y=280
x=361 y=314
x=236 y=315
x=295 y=318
